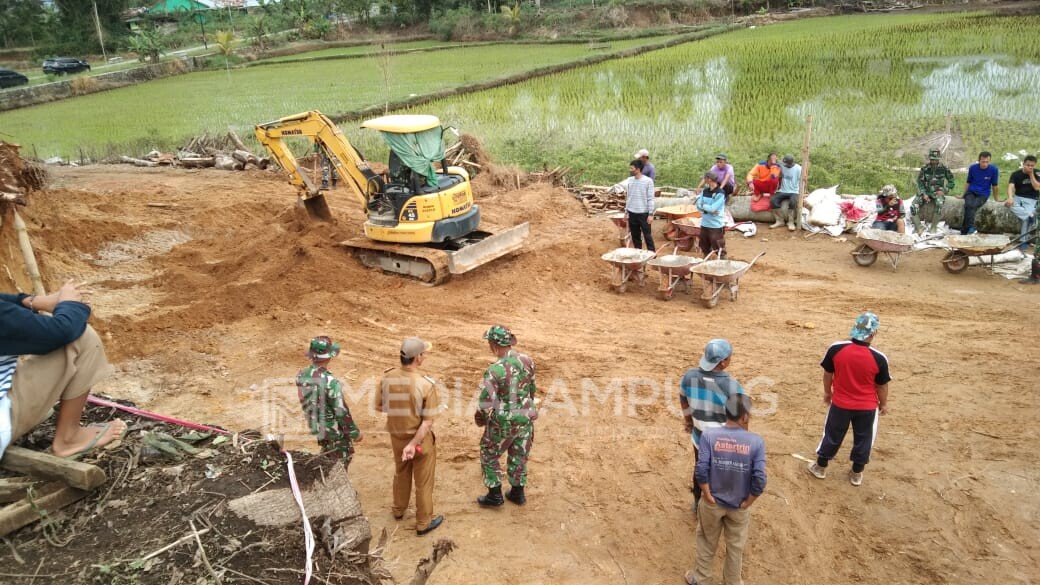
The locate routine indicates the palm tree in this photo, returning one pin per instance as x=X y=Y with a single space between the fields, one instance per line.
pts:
x=226 y=46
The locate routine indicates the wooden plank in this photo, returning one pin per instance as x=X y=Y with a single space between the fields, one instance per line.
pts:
x=13 y=489
x=75 y=473
x=50 y=497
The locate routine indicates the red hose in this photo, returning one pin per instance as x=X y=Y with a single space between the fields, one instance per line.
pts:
x=144 y=413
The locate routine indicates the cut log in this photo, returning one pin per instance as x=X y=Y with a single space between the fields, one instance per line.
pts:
x=50 y=498
x=138 y=162
x=245 y=157
x=238 y=141
x=195 y=163
x=34 y=463
x=13 y=489
x=227 y=163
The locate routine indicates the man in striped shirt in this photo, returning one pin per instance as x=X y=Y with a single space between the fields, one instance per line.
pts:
x=703 y=394
x=855 y=386
x=640 y=205
x=46 y=359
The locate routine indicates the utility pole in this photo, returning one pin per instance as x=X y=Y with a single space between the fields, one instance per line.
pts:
x=100 y=36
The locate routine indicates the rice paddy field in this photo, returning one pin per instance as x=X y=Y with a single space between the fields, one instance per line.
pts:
x=879 y=87
x=164 y=113
x=875 y=85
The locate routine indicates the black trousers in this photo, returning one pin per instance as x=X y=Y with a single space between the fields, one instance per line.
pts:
x=639 y=227
x=864 y=429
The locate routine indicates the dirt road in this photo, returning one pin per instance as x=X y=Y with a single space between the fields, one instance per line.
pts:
x=207 y=304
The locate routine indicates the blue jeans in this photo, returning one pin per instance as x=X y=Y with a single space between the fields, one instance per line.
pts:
x=1025 y=210
x=972 y=203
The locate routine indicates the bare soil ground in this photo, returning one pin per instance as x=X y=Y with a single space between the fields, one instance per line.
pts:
x=206 y=307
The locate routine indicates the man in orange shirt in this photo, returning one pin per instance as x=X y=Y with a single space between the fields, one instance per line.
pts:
x=410 y=402
x=764 y=179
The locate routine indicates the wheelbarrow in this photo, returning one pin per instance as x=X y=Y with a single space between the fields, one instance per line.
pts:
x=962 y=248
x=720 y=274
x=875 y=242
x=672 y=213
x=688 y=233
x=675 y=272
x=628 y=264
x=620 y=220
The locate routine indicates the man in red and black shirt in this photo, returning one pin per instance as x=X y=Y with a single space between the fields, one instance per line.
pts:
x=855 y=385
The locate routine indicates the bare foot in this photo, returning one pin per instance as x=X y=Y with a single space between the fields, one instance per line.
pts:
x=89 y=438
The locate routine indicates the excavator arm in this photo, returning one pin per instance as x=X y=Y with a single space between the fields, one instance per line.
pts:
x=322 y=132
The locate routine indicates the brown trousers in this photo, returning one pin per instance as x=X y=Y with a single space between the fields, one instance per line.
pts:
x=421 y=470
x=63 y=374
x=716 y=521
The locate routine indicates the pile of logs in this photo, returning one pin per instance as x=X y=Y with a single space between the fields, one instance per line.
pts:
x=556 y=176
x=599 y=199
x=225 y=153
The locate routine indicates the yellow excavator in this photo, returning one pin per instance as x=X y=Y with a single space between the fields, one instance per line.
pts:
x=421 y=223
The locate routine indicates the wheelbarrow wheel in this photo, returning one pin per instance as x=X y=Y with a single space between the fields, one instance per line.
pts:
x=733 y=291
x=666 y=295
x=864 y=255
x=711 y=301
x=621 y=287
x=955 y=262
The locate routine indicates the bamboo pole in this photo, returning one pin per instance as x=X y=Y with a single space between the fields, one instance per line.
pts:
x=27 y=253
x=804 y=182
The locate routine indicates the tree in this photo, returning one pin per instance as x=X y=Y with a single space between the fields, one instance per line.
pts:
x=20 y=22
x=78 y=32
x=149 y=44
x=226 y=46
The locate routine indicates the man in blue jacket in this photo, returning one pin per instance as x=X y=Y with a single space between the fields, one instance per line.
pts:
x=712 y=205
x=46 y=359
x=731 y=471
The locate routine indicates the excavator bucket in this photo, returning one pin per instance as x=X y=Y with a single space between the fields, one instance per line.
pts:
x=493 y=245
x=318 y=208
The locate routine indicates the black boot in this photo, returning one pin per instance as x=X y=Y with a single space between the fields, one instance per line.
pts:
x=1034 y=275
x=516 y=495
x=493 y=499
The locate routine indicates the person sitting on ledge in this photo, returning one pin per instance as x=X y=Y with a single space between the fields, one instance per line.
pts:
x=51 y=358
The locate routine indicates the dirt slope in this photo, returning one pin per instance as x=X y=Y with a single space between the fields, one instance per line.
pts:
x=206 y=305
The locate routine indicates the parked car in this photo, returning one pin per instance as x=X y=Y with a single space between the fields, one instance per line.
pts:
x=10 y=78
x=64 y=65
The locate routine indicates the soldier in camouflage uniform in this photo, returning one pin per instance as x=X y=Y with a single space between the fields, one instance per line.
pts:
x=507 y=411
x=934 y=181
x=321 y=396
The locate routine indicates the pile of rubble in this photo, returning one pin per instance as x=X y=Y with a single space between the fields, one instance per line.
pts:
x=18 y=177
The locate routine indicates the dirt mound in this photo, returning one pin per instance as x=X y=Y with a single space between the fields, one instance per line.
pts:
x=18 y=175
x=475 y=147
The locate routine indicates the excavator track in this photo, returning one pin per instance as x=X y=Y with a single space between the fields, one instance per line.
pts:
x=434 y=265
x=429 y=265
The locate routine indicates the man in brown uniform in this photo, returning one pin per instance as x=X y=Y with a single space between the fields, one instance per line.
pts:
x=410 y=402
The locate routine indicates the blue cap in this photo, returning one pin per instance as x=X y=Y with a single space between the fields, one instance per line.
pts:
x=716 y=351
x=866 y=325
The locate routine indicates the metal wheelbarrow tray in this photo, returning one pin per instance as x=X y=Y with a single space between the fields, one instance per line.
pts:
x=688 y=232
x=963 y=247
x=672 y=213
x=719 y=274
x=875 y=242
x=628 y=264
x=676 y=270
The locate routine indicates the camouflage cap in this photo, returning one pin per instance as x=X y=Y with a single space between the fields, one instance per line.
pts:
x=322 y=348
x=934 y=154
x=889 y=191
x=867 y=325
x=500 y=335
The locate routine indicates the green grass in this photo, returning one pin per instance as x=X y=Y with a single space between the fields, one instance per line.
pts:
x=874 y=85
x=163 y=113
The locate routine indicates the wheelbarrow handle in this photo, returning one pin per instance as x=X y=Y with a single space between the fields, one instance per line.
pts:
x=714 y=253
x=755 y=259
